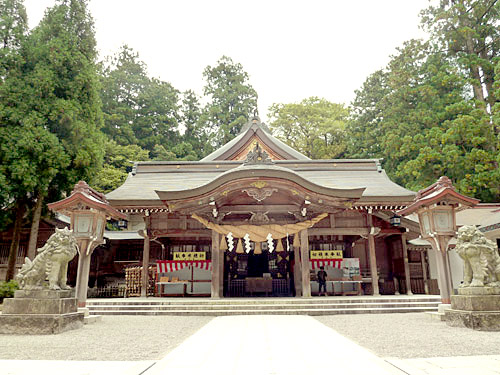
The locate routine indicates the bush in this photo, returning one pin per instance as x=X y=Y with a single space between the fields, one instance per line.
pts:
x=7 y=289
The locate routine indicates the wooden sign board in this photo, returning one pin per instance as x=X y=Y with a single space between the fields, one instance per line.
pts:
x=327 y=254
x=190 y=255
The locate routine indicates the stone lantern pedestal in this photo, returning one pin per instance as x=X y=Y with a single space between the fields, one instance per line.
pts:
x=477 y=308
x=36 y=312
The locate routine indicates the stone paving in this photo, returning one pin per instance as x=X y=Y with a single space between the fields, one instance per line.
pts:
x=255 y=345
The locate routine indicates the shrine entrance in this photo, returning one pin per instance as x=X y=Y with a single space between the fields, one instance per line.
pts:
x=262 y=274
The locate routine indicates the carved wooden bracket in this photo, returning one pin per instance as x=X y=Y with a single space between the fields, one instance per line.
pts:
x=260 y=194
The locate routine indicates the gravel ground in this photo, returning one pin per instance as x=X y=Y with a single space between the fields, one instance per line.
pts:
x=412 y=335
x=115 y=338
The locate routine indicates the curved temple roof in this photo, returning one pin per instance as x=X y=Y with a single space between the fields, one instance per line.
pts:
x=187 y=178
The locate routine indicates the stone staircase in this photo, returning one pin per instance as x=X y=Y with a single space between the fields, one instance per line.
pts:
x=260 y=306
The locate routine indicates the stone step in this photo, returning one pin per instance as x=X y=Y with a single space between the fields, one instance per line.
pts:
x=273 y=301
x=433 y=305
x=291 y=311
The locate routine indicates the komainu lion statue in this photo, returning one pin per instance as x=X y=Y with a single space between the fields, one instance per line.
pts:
x=51 y=263
x=481 y=259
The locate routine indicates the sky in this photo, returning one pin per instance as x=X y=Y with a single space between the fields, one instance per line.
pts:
x=291 y=49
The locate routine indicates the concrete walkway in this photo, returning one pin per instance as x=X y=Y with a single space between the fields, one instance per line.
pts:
x=277 y=345
x=264 y=345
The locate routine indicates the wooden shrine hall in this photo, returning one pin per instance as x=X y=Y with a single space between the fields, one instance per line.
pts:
x=256 y=217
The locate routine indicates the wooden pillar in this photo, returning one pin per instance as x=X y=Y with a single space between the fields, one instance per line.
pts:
x=373 y=264
x=215 y=291
x=424 y=271
x=145 y=257
x=304 y=259
x=407 y=266
x=297 y=272
x=221 y=269
x=373 y=256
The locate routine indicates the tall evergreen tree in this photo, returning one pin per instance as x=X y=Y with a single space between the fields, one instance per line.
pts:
x=194 y=131
x=232 y=100
x=469 y=31
x=138 y=110
x=52 y=99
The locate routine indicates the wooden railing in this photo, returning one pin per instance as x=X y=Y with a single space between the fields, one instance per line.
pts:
x=4 y=253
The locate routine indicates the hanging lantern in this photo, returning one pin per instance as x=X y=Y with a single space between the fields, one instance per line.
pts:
x=258 y=248
x=395 y=220
x=239 y=247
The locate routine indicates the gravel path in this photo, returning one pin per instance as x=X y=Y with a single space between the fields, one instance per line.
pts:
x=115 y=338
x=412 y=335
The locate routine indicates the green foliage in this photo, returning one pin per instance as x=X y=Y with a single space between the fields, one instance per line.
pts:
x=118 y=162
x=232 y=100
x=314 y=127
x=419 y=117
x=138 y=110
x=13 y=29
x=7 y=289
x=196 y=133
x=469 y=32
x=50 y=110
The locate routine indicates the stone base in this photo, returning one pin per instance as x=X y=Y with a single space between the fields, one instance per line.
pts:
x=39 y=324
x=479 y=290
x=478 y=320
x=476 y=303
x=38 y=312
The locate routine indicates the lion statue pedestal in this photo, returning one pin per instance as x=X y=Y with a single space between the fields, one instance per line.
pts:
x=44 y=304
x=477 y=304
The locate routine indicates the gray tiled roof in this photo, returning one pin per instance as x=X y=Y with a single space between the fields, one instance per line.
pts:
x=142 y=185
x=149 y=177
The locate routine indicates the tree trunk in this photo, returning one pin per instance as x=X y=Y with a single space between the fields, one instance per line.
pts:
x=34 y=227
x=14 y=245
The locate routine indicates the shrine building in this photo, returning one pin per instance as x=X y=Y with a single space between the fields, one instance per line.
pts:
x=256 y=217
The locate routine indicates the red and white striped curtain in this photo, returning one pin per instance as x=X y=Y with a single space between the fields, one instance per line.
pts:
x=164 y=266
x=317 y=263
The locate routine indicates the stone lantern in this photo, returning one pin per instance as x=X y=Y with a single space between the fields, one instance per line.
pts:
x=88 y=210
x=436 y=208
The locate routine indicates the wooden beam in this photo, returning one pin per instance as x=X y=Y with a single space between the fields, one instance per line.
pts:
x=183 y=233
x=304 y=259
x=339 y=231
x=247 y=208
